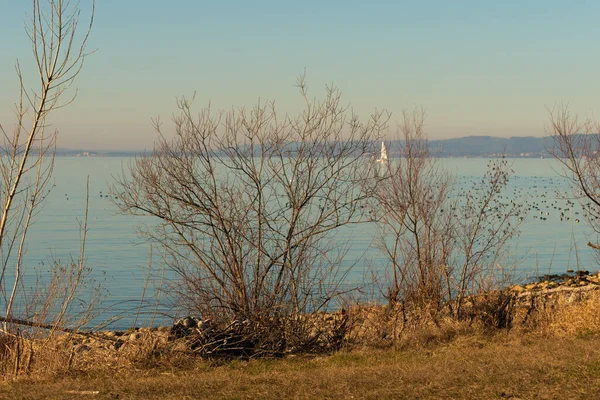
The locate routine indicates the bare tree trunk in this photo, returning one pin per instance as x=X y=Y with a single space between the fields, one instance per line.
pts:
x=59 y=50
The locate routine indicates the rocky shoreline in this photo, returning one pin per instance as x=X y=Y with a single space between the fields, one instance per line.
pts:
x=570 y=282
x=202 y=337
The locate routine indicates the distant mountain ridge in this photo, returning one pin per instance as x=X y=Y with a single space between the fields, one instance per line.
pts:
x=485 y=146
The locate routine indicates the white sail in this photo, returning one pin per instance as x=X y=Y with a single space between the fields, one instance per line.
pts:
x=383 y=157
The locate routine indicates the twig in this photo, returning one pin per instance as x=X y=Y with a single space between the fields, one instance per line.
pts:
x=95 y=335
x=593 y=246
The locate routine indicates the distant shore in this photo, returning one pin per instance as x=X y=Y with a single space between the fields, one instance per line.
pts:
x=463 y=147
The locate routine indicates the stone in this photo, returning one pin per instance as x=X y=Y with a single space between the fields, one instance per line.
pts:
x=184 y=326
x=189 y=322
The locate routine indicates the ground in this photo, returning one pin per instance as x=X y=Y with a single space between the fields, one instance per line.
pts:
x=510 y=366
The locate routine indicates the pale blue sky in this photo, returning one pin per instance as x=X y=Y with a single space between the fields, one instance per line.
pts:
x=477 y=67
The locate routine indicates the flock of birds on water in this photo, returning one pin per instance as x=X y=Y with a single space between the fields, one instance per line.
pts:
x=538 y=199
x=105 y=195
x=546 y=199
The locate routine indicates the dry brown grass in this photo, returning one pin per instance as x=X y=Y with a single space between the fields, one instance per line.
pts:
x=566 y=314
x=580 y=318
x=469 y=367
x=555 y=354
x=383 y=327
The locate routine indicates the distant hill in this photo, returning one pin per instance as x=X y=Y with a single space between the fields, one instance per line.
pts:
x=485 y=146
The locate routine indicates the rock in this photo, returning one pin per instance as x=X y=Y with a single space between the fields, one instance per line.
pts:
x=184 y=326
x=531 y=286
x=518 y=288
x=592 y=278
x=189 y=322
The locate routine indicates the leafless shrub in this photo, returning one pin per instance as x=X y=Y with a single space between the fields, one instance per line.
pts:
x=575 y=143
x=248 y=202
x=26 y=165
x=443 y=242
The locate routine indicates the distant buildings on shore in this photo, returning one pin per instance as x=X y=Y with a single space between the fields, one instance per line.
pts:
x=88 y=154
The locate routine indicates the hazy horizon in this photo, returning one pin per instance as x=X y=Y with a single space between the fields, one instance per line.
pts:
x=390 y=138
x=477 y=68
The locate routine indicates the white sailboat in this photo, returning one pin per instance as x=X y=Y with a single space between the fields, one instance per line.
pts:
x=383 y=157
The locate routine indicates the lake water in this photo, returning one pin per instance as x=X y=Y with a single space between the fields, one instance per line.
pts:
x=546 y=244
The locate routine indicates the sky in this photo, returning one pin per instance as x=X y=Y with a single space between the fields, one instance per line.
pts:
x=477 y=67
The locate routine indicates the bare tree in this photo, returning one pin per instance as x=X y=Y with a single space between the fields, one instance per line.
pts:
x=443 y=241
x=411 y=201
x=248 y=202
x=59 y=51
x=576 y=145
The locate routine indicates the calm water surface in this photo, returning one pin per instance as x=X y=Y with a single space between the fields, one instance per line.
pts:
x=113 y=248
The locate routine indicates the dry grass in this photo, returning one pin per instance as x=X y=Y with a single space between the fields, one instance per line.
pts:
x=580 y=318
x=384 y=327
x=469 y=367
x=555 y=354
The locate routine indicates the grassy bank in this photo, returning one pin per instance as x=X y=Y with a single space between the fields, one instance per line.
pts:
x=551 y=350
x=476 y=367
